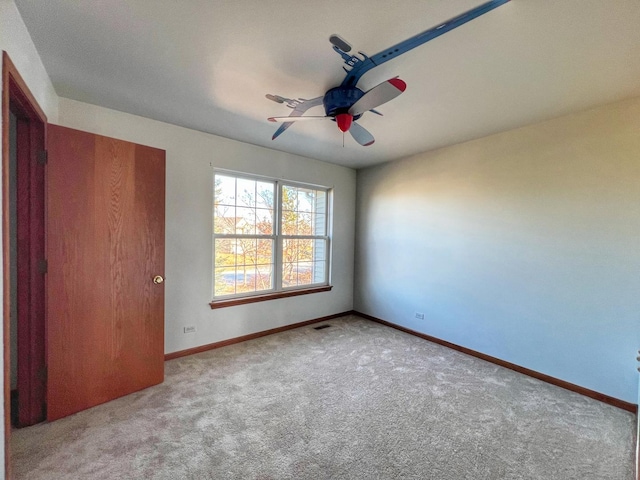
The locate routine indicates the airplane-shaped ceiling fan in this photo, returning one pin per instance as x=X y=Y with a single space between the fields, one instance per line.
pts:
x=346 y=103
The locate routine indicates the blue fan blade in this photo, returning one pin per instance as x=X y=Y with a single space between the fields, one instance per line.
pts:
x=360 y=68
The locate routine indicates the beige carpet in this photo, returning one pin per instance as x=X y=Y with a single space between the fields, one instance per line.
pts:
x=355 y=401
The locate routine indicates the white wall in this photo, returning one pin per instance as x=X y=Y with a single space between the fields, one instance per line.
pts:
x=523 y=245
x=16 y=41
x=191 y=157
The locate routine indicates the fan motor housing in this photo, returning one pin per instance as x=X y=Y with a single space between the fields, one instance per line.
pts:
x=340 y=99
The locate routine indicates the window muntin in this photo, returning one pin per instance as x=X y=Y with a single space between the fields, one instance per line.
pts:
x=268 y=236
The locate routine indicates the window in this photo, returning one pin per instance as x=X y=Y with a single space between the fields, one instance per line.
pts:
x=269 y=236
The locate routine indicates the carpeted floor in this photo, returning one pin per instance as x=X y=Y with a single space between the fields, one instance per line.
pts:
x=355 y=401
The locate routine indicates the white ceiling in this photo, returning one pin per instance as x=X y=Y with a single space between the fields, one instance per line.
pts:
x=207 y=65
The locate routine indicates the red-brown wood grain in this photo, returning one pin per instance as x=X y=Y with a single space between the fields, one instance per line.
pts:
x=18 y=99
x=23 y=286
x=37 y=243
x=268 y=296
x=105 y=244
x=30 y=206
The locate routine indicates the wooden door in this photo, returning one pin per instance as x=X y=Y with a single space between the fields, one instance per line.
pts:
x=105 y=244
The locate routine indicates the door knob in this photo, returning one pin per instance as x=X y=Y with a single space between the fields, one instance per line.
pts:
x=158 y=279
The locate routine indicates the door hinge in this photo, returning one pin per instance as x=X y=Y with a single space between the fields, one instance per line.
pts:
x=43 y=157
x=43 y=266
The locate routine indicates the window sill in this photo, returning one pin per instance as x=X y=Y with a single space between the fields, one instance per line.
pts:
x=269 y=296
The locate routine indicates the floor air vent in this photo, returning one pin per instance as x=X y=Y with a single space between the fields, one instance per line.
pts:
x=321 y=327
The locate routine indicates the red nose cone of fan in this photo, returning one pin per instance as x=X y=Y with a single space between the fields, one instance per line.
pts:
x=344 y=121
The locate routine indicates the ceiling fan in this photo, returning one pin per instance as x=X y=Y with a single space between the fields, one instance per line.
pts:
x=346 y=103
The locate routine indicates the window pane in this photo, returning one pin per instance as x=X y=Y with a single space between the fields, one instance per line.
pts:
x=246 y=192
x=319 y=250
x=264 y=254
x=306 y=200
x=305 y=250
x=289 y=198
x=243 y=265
x=305 y=273
x=245 y=221
x=245 y=279
x=242 y=206
x=289 y=220
x=289 y=216
x=224 y=199
x=319 y=212
x=246 y=252
x=264 y=195
x=224 y=281
x=305 y=224
x=303 y=211
x=264 y=277
x=320 y=204
x=319 y=272
x=289 y=274
x=225 y=252
x=303 y=262
x=264 y=221
x=319 y=224
x=289 y=250
x=224 y=192
x=224 y=219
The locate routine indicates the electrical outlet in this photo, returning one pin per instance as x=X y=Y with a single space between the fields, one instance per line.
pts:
x=190 y=329
x=420 y=316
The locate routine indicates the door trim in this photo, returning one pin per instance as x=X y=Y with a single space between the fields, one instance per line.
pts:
x=14 y=93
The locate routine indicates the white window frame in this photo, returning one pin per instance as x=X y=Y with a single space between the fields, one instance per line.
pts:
x=276 y=236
